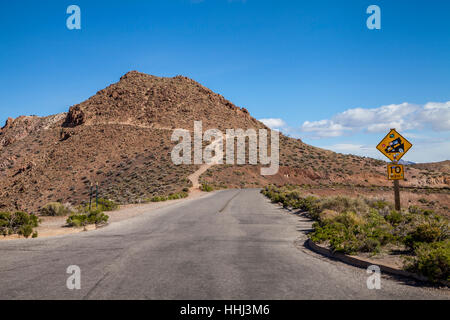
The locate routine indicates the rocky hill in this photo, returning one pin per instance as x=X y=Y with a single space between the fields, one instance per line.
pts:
x=120 y=138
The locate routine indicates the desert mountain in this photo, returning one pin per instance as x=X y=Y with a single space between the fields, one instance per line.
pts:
x=120 y=138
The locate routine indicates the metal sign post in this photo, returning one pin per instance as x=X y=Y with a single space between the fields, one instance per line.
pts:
x=394 y=146
x=90 y=197
x=96 y=195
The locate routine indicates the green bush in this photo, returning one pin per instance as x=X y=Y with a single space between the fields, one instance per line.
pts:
x=432 y=260
x=25 y=230
x=93 y=217
x=206 y=187
x=394 y=218
x=106 y=205
x=350 y=232
x=55 y=209
x=179 y=195
x=158 y=199
x=19 y=222
x=103 y=205
x=432 y=229
x=344 y=204
x=172 y=196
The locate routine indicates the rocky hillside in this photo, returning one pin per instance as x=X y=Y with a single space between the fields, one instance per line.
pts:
x=120 y=138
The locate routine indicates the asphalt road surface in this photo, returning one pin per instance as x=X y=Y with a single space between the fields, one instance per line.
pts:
x=230 y=244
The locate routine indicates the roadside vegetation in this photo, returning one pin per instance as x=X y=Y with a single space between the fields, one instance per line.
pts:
x=206 y=187
x=96 y=217
x=86 y=215
x=355 y=225
x=55 y=209
x=83 y=215
x=20 y=223
x=172 y=196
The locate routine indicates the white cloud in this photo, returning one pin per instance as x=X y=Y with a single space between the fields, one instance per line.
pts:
x=438 y=115
x=429 y=151
x=274 y=123
x=404 y=116
x=324 y=128
x=355 y=149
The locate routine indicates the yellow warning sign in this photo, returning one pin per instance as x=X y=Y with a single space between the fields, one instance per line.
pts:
x=394 y=146
x=396 y=171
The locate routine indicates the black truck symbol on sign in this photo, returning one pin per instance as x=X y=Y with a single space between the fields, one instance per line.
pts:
x=395 y=146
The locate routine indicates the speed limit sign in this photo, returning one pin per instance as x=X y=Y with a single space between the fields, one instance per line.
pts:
x=396 y=172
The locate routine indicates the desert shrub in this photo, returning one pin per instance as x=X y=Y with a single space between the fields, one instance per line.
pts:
x=172 y=196
x=350 y=233
x=352 y=225
x=206 y=187
x=55 y=209
x=19 y=222
x=93 y=217
x=106 y=205
x=416 y=210
x=103 y=205
x=179 y=195
x=344 y=204
x=432 y=260
x=431 y=229
x=394 y=218
x=77 y=220
x=25 y=230
x=311 y=206
x=158 y=199
x=341 y=238
x=379 y=204
x=290 y=197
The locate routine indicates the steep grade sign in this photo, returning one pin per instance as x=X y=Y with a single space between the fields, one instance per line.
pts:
x=394 y=146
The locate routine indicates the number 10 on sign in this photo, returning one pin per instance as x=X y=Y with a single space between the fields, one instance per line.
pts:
x=396 y=172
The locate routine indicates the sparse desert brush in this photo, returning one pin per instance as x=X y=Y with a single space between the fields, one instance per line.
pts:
x=179 y=195
x=96 y=217
x=107 y=205
x=172 y=196
x=431 y=260
x=426 y=229
x=206 y=187
x=56 y=209
x=103 y=205
x=352 y=225
x=344 y=204
x=158 y=199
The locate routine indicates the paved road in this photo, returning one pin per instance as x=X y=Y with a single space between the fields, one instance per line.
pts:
x=231 y=244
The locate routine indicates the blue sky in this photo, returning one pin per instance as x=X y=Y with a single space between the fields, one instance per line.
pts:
x=312 y=68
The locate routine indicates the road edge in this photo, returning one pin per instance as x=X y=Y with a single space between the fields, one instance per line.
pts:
x=362 y=263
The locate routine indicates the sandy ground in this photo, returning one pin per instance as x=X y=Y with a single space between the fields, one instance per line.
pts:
x=55 y=226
